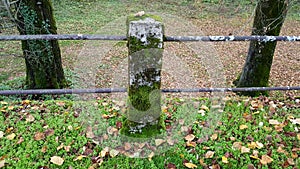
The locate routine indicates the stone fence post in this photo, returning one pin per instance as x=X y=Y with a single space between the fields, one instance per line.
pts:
x=145 y=46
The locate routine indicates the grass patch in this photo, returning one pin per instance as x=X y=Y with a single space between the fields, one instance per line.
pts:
x=34 y=131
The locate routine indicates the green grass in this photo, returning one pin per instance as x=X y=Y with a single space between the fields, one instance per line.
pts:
x=61 y=126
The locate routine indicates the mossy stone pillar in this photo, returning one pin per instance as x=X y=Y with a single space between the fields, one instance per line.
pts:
x=145 y=46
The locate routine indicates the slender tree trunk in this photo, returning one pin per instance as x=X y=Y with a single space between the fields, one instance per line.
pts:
x=269 y=18
x=42 y=57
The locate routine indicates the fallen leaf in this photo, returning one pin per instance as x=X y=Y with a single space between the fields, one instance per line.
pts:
x=158 y=142
x=104 y=152
x=49 y=132
x=237 y=145
x=295 y=121
x=39 y=136
x=252 y=145
x=29 y=118
x=290 y=161
x=89 y=132
x=274 y=122
x=170 y=141
x=190 y=165
x=209 y=154
x=80 y=157
x=21 y=139
x=2 y=163
x=202 y=163
x=11 y=136
x=298 y=136
x=245 y=149
x=224 y=159
x=67 y=148
x=232 y=138
x=281 y=150
x=127 y=146
x=214 y=137
x=113 y=153
x=171 y=166
x=254 y=157
x=265 y=159
x=1 y=134
x=150 y=156
x=189 y=137
x=243 y=126
x=57 y=160
x=203 y=107
x=190 y=144
x=44 y=149
x=60 y=147
x=259 y=145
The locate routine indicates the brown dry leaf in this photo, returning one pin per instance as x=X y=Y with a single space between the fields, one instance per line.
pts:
x=89 y=132
x=29 y=118
x=189 y=137
x=243 y=126
x=170 y=141
x=11 y=136
x=39 y=136
x=190 y=165
x=127 y=146
x=224 y=159
x=60 y=103
x=265 y=159
x=181 y=121
x=245 y=149
x=209 y=154
x=80 y=157
x=171 y=166
x=113 y=153
x=158 y=142
x=237 y=145
x=214 y=137
x=274 y=122
x=202 y=163
x=294 y=155
x=2 y=163
x=111 y=130
x=49 y=132
x=57 y=160
x=67 y=148
x=21 y=139
x=290 y=161
x=281 y=150
x=44 y=149
x=205 y=148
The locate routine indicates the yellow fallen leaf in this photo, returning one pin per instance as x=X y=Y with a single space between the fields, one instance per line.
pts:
x=104 y=152
x=245 y=149
x=57 y=160
x=203 y=107
x=150 y=156
x=2 y=102
x=209 y=154
x=265 y=159
x=243 y=126
x=158 y=142
x=189 y=137
x=79 y=157
x=273 y=122
x=259 y=145
x=224 y=159
x=113 y=153
x=11 y=107
x=214 y=137
x=11 y=136
x=190 y=144
x=298 y=136
x=190 y=165
x=254 y=157
x=252 y=145
x=25 y=101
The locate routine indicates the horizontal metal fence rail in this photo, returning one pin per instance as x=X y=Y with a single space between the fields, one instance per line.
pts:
x=167 y=38
x=115 y=90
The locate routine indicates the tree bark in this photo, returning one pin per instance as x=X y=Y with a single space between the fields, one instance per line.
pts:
x=42 y=57
x=269 y=18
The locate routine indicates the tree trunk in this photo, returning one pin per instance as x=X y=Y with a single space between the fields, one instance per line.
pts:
x=42 y=57
x=269 y=17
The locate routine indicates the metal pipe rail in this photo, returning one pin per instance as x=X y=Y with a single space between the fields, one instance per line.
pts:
x=166 y=38
x=114 y=90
